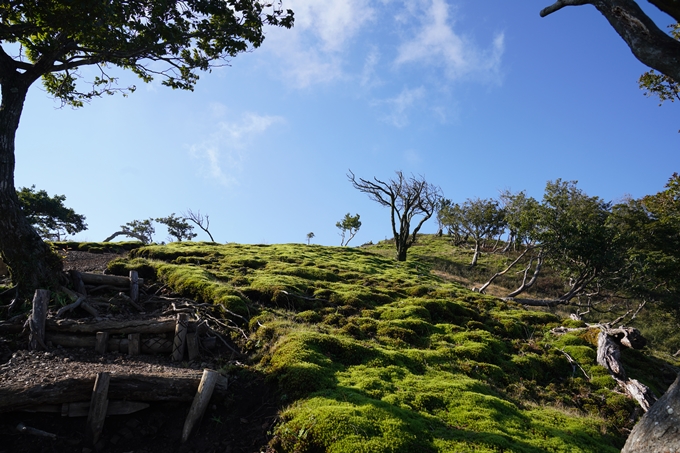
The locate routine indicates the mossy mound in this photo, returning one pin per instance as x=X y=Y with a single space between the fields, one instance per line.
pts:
x=374 y=355
x=97 y=247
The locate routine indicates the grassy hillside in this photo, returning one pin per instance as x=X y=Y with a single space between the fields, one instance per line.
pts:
x=372 y=355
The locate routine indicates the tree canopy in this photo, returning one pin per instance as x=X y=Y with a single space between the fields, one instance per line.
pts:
x=152 y=38
x=52 y=40
x=476 y=218
x=48 y=215
x=349 y=227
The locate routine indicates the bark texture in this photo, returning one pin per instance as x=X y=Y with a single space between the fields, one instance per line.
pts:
x=659 y=429
x=651 y=45
x=31 y=262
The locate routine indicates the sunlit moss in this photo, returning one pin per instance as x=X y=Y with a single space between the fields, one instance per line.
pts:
x=372 y=355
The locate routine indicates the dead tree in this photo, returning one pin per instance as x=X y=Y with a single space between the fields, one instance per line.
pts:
x=609 y=343
x=203 y=222
x=407 y=198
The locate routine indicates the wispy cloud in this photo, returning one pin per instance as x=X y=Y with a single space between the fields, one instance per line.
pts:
x=222 y=153
x=399 y=106
x=412 y=157
x=369 y=75
x=437 y=44
x=312 y=50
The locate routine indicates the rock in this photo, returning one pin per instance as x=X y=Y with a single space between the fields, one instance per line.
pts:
x=659 y=429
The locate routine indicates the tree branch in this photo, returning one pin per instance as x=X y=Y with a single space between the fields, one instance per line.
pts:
x=558 y=5
x=651 y=45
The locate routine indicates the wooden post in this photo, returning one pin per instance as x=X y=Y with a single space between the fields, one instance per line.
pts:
x=98 y=406
x=192 y=345
x=37 y=321
x=200 y=403
x=134 y=286
x=180 y=337
x=134 y=343
x=102 y=340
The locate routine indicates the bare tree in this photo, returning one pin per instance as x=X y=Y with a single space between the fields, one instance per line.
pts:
x=203 y=222
x=407 y=197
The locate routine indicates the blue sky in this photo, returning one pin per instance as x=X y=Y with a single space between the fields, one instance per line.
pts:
x=477 y=97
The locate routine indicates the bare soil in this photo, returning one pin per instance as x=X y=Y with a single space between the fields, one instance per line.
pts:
x=239 y=422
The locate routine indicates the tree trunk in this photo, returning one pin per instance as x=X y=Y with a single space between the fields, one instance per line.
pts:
x=475 y=256
x=31 y=262
x=659 y=428
x=401 y=254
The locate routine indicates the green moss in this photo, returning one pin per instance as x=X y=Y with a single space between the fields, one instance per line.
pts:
x=122 y=266
x=369 y=354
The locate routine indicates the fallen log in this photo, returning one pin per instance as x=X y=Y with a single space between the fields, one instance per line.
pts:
x=143 y=326
x=609 y=356
x=110 y=280
x=133 y=387
x=149 y=345
x=82 y=409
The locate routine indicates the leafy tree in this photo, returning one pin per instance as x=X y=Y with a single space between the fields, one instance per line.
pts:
x=51 y=40
x=651 y=45
x=661 y=85
x=48 y=215
x=407 y=198
x=349 y=225
x=178 y=227
x=310 y=235
x=575 y=239
x=138 y=229
x=648 y=231
x=476 y=218
x=201 y=221
x=520 y=217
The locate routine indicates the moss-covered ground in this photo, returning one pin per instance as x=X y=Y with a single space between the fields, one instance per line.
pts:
x=373 y=355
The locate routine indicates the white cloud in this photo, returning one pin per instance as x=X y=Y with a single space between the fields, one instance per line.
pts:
x=222 y=153
x=312 y=50
x=437 y=44
x=398 y=106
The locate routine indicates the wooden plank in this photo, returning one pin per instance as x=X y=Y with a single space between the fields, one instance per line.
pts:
x=148 y=345
x=98 y=407
x=179 y=344
x=200 y=403
x=134 y=344
x=143 y=326
x=101 y=344
x=37 y=320
x=132 y=387
x=82 y=409
x=110 y=280
x=192 y=346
